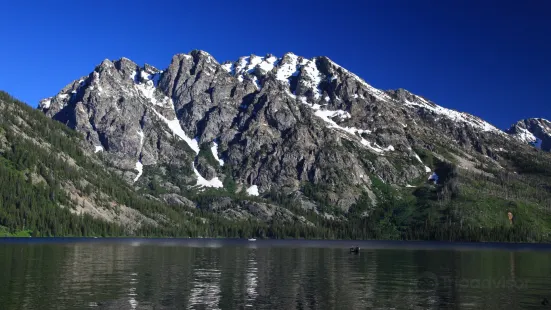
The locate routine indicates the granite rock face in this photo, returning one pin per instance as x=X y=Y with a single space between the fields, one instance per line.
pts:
x=265 y=124
x=535 y=131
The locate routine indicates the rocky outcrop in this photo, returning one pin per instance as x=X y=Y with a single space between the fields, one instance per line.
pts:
x=265 y=122
x=536 y=131
x=175 y=199
x=245 y=209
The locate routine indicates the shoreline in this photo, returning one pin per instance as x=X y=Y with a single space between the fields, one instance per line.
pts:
x=306 y=243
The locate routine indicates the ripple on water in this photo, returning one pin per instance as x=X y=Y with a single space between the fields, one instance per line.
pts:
x=220 y=274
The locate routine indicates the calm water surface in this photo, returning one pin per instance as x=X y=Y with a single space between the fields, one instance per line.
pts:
x=237 y=274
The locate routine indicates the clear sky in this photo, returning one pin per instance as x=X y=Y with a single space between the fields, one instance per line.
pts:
x=488 y=58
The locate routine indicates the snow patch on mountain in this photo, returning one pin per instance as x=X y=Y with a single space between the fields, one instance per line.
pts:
x=313 y=77
x=292 y=65
x=533 y=131
x=288 y=93
x=144 y=75
x=327 y=116
x=453 y=115
x=256 y=83
x=149 y=86
x=202 y=182
x=148 y=92
x=140 y=133
x=45 y=103
x=253 y=62
x=525 y=135
x=427 y=169
x=268 y=64
x=229 y=67
x=139 y=168
x=150 y=78
x=241 y=64
x=214 y=150
x=287 y=68
x=253 y=191
x=174 y=125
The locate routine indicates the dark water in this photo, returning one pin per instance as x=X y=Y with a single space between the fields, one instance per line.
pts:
x=237 y=274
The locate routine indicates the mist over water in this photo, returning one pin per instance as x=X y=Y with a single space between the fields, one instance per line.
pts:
x=237 y=274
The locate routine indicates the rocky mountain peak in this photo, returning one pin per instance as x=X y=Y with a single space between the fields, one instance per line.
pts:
x=124 y=65
x=262 y=122
x=151 y=69
x=106 y=63
x=535 y=131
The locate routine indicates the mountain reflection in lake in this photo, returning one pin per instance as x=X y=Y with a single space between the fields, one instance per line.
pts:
x=237 y=274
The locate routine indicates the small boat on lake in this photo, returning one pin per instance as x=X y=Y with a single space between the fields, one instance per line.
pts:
x=252 y=239
x=355 y=250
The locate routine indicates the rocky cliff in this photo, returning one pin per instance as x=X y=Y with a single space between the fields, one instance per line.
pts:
x=265 y=125
x=535 y=131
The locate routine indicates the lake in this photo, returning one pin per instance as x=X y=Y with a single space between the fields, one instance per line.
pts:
x=78 y=273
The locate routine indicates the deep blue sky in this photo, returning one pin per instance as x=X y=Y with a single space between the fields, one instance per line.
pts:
x=488 y=58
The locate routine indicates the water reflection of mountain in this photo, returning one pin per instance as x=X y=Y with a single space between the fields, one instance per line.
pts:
x=205 y=280
x=251 y=278
x=172 y=276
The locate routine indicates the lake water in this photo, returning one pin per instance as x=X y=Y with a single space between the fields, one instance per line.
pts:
x=238 y=274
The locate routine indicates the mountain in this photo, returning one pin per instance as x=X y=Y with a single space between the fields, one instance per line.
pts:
x=536 y=131
x=52 y=184
x=273 y=123
x=305 y=141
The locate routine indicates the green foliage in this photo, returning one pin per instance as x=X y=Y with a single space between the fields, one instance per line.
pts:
x=229 y=183
x=452 y=210
x=535 y=163
x=318 y=193
x=206 y=153
x=5 y=232
x=361 y=207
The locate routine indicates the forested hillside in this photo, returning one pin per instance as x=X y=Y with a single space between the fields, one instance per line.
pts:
x=52 y=185
x=47 y=179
